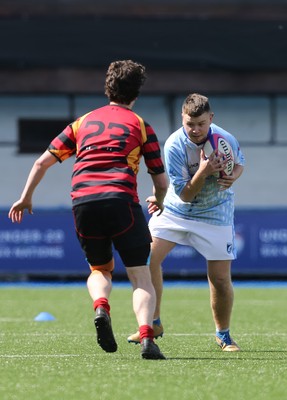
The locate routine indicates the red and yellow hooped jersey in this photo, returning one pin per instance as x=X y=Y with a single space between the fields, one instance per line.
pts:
x=108 y=144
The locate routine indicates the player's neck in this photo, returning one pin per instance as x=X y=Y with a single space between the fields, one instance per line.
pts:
x=129 y=106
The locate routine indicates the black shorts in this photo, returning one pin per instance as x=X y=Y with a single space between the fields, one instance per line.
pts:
x=101 y=224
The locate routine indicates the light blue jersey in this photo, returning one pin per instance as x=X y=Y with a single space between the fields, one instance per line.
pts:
x=182 y=158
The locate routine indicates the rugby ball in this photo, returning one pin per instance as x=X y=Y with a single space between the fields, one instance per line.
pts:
x=218 y=142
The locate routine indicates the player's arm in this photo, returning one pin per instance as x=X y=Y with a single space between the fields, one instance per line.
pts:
x=41 y=165
x=152 y=157
x=206 y=168
x=227 y=181
x=159 y=191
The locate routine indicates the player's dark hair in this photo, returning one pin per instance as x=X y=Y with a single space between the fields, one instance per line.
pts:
x=195 y=105
x=124 y=79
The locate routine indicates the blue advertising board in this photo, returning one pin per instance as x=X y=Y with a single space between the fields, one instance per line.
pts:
x=45 y=244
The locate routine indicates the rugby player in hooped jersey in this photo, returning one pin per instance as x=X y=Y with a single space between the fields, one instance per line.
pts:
x=108 y=143
x=198 y=212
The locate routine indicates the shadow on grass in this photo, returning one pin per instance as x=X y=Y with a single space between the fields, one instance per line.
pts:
x=245 y=355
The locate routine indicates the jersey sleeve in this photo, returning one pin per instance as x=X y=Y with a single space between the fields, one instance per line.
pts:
x=151 y=152
x=177 y=167
x=239 y=158
x=64 y=145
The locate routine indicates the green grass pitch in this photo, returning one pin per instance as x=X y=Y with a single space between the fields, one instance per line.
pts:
x=61 y=360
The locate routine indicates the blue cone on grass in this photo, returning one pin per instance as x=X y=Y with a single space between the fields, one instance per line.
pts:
x=44 y=316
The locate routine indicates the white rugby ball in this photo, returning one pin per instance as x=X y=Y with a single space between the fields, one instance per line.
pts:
x=217 y=142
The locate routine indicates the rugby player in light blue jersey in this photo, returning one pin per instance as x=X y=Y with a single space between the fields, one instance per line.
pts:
x=198 y=212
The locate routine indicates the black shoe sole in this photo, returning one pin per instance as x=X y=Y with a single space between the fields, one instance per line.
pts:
x=151 y=352
x=105 y=336
x=153 y=356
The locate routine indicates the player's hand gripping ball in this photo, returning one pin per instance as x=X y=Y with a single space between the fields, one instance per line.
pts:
x=217 y=142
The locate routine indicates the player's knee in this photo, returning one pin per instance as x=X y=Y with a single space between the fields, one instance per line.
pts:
x=105 y=269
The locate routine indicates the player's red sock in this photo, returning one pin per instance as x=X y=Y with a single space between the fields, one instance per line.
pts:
x=146 y=331
x=102 y=302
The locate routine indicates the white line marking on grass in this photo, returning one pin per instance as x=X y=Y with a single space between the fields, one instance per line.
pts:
x=39 y=355
x=238 y=334
x=13 y=319
x=92 y=334
x=46 y=334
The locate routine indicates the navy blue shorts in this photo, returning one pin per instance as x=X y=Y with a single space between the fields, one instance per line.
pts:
x=100 y=225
